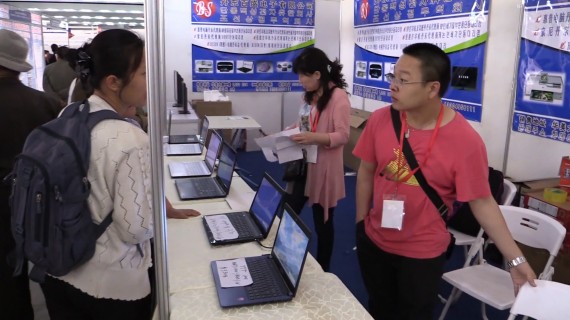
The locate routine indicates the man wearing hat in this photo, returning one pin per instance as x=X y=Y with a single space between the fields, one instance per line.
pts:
x=21 y=110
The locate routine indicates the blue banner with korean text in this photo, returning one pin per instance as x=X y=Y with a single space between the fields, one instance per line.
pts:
x=249 y=45
x=541 y=105
x=384 y=27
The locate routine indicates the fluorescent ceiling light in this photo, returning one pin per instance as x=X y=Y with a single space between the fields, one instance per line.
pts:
x=69 y=10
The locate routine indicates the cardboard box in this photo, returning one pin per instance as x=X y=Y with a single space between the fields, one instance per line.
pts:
x=565 y=172
x=214 y=108
x=358 y=119
x=535 y=200
x=538 y=185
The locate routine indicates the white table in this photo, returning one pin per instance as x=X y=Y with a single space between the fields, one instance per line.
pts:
x=232 y=122
x=192 y=290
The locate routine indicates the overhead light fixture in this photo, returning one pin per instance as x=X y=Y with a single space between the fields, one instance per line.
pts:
x=68 y=10
x=110 y=23
x=85 y=10
x=105 y=11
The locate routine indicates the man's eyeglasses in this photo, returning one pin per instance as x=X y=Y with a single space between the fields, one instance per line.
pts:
x=391 y=78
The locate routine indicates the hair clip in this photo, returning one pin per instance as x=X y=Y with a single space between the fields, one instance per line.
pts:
x=85 y=64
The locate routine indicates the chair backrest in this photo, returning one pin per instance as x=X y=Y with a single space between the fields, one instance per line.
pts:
x=537 y=230
x=509 y=192
x=534 y=229
x=548 y=300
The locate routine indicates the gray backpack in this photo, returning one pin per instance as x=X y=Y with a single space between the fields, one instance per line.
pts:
x=51 y=222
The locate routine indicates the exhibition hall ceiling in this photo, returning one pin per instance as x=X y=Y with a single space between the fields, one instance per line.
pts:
x=88 y=14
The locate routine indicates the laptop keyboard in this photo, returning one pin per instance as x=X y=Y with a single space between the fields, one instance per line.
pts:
x=265 y=278
x=204 y=186
x=242 y=225
x=195 y=168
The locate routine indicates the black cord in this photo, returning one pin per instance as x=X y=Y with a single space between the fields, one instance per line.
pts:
x=261 y=244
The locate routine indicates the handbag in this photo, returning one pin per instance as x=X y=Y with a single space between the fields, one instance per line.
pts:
x=295 y=170
x=430 y=192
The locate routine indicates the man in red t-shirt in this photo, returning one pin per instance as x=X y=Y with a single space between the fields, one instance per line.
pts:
x=401 y=238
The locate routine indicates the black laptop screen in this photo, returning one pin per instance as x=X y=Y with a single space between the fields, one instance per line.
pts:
x=212 y=152
x=204 y=130
x=290 y=246
x=265 y=204
x=226 y=165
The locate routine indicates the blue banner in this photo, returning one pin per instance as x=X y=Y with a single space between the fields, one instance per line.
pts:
x=541 y=105
x=249 y=45
x=383 y=29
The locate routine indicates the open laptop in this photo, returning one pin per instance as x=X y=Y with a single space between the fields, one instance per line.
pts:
x=210 y=187
x=253 y=225
x=200 y=168
x=190 y=149
x=181 y=138
x=275 y=276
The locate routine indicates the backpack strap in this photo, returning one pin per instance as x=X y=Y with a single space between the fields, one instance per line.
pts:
x=411 y=159
x=17 y=256
x=103 y=225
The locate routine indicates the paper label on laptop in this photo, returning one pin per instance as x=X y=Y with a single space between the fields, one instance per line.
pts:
x=221 y=227
x=233 y=273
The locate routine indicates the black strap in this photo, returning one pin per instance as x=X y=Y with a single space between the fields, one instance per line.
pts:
x=413 y=163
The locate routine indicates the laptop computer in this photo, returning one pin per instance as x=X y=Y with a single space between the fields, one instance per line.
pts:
x=253 y=225
x=190 y=149
x=201 y=168
x=210 y=187
x=275 y=277
x=181 y=138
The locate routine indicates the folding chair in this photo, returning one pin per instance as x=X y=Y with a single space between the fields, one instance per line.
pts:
x=492 y=285
x=468 y=241
x=548 y=300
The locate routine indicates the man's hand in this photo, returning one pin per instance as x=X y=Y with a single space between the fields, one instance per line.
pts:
x=181 y=213
x=521 y=274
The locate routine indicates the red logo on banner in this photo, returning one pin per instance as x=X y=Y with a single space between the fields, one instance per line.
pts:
x=364 y=9
x=204 y=8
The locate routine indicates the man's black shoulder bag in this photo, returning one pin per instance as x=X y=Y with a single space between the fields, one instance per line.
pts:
x=413 y=163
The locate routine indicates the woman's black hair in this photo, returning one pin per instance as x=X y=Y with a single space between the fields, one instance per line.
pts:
x=312 y=60
x=117 y=52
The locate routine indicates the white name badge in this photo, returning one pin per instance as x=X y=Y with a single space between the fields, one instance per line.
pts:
x=392 y=212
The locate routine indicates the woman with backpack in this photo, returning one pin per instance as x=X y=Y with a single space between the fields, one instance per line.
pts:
x=114 y=283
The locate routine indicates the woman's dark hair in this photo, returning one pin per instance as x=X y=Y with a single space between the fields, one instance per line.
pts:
x=116 y=52
x=312 y=60
x=435 y=63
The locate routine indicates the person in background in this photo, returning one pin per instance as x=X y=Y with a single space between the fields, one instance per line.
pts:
x=114 y=283
x=59 y=75
x=401 y=244
x=22 y=109
x=83 y=90
x=47 y=57
x=325 y=124
x=52 y=58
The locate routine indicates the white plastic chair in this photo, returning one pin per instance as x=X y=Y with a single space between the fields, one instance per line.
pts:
x=467 y=241
x=547 y=301
x=492 y=285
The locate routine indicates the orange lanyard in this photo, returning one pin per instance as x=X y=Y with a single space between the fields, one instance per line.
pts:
x=400 y=157
x=314 y=121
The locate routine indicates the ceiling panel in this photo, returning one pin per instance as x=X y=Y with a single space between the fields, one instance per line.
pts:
x=86 y=14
